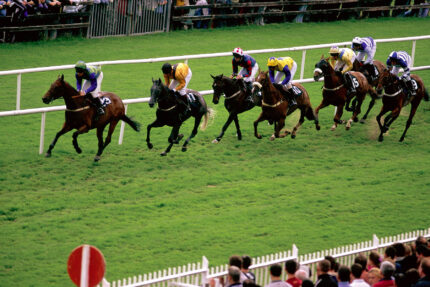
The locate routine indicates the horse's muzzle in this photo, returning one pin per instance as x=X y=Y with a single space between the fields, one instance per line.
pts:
x=46 y=100
x=151 y=105
x=215 y=101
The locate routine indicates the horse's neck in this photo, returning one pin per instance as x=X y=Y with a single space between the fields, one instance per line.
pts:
x=331 y=80
x=271 y=93
x=231 y=88
x=166 y=100
x=72 y=97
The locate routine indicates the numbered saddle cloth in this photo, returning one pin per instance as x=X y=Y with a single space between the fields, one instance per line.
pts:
x=192 y=99
x=354 y=81
x=105 y=101
x=297 y=91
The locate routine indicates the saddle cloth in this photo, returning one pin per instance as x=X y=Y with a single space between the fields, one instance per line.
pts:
x=105 y=101
x=191 y=98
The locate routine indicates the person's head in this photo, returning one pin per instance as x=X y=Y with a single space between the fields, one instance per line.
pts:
x=356 y=270
x=80 y=68
x=393 y=57
x=333 y=264
x=237 y=54
x=323 y=267
x=291 y=266
x=362 y=260
x=272 y=63
x=400 y=249
x=374 y=259
x=356 y=43
x=249 y=283
x=334 y=52
x=390 y=252
x=400 y=280
x=344 y=273
x=301 y=274
x=235 y=260
x=424 y=268
x=166 y=68
x=234 y=274
x=374 y=276
x=412 y=276
x=307 y=283
x=246 y=262
x=422 y=251
x=276 y=270
x=421 y=240
x=387 y=269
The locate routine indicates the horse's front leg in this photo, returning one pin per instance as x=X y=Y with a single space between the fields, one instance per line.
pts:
x=409 y=121
x=66 y=128
x=278 y=127
x=299 y=124
x=239 y=133
x=355 y=114
x=371 y=104
x=381 y=128
x=108 y=139
x=155 y=124
x=225 y=126
x=338 y=115
x=172 y=139
x=194 y=131
x=322 y=105
x=261 y=118
x=81 y=130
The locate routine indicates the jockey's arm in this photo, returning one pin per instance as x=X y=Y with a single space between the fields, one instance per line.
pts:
x=78 y=83
x=272 y=75
x=348 y=66
x=287 y=72
x=235 y=68
x=93 y=86
x=166 y=79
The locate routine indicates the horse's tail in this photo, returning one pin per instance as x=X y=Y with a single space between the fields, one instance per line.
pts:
x=134 y=124
x=426 y=95
x=210 y=114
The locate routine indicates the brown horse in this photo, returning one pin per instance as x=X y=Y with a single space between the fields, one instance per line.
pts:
x=335 y=91
x=275 y=107
x=81 y=116
x=373 y=82
x=395 y=98
x=235 y=101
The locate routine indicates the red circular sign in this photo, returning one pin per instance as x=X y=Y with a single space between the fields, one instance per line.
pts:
x=94 y=261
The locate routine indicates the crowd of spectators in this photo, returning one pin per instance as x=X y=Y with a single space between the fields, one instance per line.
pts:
x=259 y=19
x=401 y=265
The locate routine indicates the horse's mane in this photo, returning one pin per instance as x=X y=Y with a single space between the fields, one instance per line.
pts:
x=68 y=86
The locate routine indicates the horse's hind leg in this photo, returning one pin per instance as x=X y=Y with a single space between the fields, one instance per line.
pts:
x=409 y=121
x=154 y=124
x=278 y=127
x=357 y=111
x=299 y=124
x=383 y=111
x=81 y=130
x=260 y=119
x=236 y=122
x=64 y=130
x=173 y=136
x=224 y=128
x=371 y=104
x=193 y=133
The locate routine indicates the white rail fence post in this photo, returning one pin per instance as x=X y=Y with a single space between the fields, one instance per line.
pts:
x=18 y=91
x=42 y=133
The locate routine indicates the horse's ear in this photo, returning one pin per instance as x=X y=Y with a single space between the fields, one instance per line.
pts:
x=62 y=77
x=222 y=75
x=212 y=77
x=322 y=56
x=159 y=81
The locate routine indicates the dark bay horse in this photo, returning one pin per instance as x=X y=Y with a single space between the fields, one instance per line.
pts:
x=335 y=92
x=373 y=82
x=275 y=107
x=395 y=98
x=81 y=116
x=235 y=101
x=168 y=113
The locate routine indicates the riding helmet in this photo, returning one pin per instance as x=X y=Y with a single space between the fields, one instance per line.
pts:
x=80 y=66
x=334 y=50
x=272 y=62
x=237 y=52
x=393 y=55
x=357 y=41
x=167 y=68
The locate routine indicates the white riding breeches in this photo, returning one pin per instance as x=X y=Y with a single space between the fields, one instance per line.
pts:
x=279 y=75
x=254 y=72
x=86 y=84
x=174 y=83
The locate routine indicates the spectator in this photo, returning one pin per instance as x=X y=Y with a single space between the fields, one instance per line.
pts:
x=54 y=6
x=424 y=271
x=42 y=7
x=387 y=270
x=422 y=252
x=374 y=260
x=356 y=271
x=246 y=262
x=344 y=276
x=301 y=275
x=324 y=279
x=291 y=267
x=333 y=267
x=390 y=255
x=200 y=12
x=249 y=283
x=19 y=10
x=373 y=276
x=3 y=7
x=275 y=277
x=234 y=276
x=362 y=260
x=412 y=276
x=307 y=283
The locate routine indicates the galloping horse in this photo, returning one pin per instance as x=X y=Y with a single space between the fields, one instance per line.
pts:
x=335 y=92
x=275 y=107
x=395 y=98
x=80 y=116
x=234 y=102
x=168 y=113
x=373 y=82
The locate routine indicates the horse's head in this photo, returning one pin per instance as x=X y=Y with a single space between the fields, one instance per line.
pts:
x=156 y=92
x=55 y=91
x=321 y=68
x=218 y=86
x=386 y=81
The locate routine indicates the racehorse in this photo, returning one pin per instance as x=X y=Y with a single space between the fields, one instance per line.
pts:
x=395 y=98
x=275 y=107
x=373 y=82
x=335 y=91
x=169 y=113
x=81 y=116
x=234 y=102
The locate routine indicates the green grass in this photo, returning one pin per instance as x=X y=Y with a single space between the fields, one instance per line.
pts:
x=320 y=190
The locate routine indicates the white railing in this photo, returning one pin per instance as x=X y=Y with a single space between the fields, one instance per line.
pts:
x=19 y=72
x=194 y=275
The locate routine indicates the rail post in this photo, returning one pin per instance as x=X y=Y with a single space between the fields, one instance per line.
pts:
x=42 y=133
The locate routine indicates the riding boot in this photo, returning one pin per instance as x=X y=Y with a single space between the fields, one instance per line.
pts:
x=350 y=84
x=249 y=97
x=292 y=98
x=98 y=105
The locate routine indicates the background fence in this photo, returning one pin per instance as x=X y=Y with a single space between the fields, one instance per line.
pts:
x=199 y=274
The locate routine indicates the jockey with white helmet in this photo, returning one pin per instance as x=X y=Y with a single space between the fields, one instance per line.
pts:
x=91 y=86
x=249 y=69
x=398 y=60
x=365 y=46
x=342 y=60
x=284 y=67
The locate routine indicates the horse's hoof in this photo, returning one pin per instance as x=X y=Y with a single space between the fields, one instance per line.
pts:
x=355 y=120
x=97 y=158
x=362 y=121
x=318 y=127
x=259 y=137
x=184 y=148
x=163 y=153
x=239 y=137
x=293 y=136
x=333 y=128
x=150 y=145
x=347 y=128
x=48 y=154
x=381 y=138
x=272 y=138
x=215 y=141
x=78 y=150
x=401 y=139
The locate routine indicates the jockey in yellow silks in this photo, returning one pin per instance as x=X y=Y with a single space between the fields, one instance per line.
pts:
x=342 y=60
x=283 y=67
x=177 y=78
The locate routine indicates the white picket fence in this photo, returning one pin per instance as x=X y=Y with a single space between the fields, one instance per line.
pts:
x=43 y=111
x=199 y=274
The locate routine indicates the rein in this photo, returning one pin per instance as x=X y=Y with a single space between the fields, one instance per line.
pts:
x=393 y=95
x=335 y=89
x=272 y=106
x=232 y=96
x=166 y=110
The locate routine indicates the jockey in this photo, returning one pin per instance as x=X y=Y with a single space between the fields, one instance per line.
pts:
x=177 y=78
x=91 y=87
x=342 y=60
x=401 y=59
x=366 y=46
x=284 y=67
x=248 y=71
